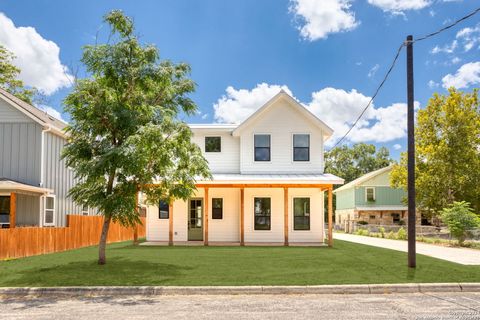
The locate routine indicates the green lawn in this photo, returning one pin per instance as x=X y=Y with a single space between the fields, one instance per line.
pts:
x=346 y=263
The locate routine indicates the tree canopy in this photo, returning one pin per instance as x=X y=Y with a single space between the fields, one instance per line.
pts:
x=124 y=133
x=9 y=80
x=447 y=141
x=351 y=163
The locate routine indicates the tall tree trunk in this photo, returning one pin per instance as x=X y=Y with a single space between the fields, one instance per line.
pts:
x=103 y=240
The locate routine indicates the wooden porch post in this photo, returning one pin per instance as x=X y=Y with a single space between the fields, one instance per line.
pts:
x=242 y=217
x=170 y=223
x=135 y=228
x=205 y=215
x=13 y=209
x=330 y=218
x=285 y=215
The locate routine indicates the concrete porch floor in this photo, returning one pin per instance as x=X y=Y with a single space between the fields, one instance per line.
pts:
x=234 y=244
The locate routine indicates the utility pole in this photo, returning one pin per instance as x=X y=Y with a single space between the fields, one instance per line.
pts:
x=412 y=263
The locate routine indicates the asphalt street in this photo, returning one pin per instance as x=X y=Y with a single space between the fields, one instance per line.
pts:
x=356 y=306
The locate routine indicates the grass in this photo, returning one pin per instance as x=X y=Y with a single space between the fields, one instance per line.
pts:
x=345 y=263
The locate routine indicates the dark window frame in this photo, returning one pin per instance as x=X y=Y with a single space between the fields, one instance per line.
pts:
x=264 y=217
x=165 y=204
x=269 y=148
x=219 y=146
x=301 y=148
x=217 y=213
x=304 y=218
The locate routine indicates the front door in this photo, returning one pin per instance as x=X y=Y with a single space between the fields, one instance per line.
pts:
x=195 y=219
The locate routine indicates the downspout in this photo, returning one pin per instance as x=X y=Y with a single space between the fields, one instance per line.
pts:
x=42 y=170
x=42 y=155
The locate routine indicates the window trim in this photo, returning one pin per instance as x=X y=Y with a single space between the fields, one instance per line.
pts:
x=309 y=214
x=44 y=210
x=366 y=194
x=221 y=208
x=253 y=215
x=205 y=144
x=168 y=205
x=85 y=212
x=270 y=149
x=309 y=146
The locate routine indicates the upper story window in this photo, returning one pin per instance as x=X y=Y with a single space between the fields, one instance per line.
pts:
x=213 y=144
x=370 y=194
x=301 y=147
x=262 y=147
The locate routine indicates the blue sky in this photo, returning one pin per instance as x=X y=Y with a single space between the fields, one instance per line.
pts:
x=329 y=54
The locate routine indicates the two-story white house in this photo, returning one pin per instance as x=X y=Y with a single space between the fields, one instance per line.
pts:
x=268 y=182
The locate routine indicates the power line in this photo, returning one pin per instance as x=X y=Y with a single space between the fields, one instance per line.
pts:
x=374 y=95
x=393 y=65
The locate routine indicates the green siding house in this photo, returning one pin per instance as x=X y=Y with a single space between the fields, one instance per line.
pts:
x=370 y=199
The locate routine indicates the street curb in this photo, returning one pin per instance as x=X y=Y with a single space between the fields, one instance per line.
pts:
x=241 y=290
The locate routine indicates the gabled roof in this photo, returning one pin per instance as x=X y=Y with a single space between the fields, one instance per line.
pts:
x=363 y=178
x=37 y=115
x=294 y=103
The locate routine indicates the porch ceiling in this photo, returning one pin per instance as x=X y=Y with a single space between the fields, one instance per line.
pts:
x=271 y=179
x=7 y=185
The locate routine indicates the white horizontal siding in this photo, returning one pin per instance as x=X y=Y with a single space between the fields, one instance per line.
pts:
x=281 y=122
x=226 y=161
x=228 y=228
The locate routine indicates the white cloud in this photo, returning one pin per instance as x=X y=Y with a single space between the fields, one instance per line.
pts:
x=470 y=37
x=51 y=111
x=398 y=6
x=397 y=146
x=466 y=75
x=455 y=60
x=320 y=18
x=373 y=71
x=445 y=49
x=336 y=107
x=432 y=84
x=205 y=116
x=37 y=57
x=237 y=105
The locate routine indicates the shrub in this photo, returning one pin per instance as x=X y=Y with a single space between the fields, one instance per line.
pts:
x=402 y=234
x=362 y=232
x=459 y=218
x=391 y=235
x=382 y=232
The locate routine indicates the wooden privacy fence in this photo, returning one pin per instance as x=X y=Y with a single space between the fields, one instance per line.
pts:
x=81 y=231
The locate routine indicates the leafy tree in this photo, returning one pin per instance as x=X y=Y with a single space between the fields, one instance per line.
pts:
x=9 y=77
x=460 y=218
x=447 y=138
x=124 y=136
x=351 y=163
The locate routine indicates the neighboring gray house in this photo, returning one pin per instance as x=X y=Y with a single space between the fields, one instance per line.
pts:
x=34 y=181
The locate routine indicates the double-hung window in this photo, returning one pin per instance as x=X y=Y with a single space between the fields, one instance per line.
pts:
x=301 y=147
x=163 y=210
x=49 y=210
x=263 y=207
x=217 y=208
x=262 y=147
x=370 y=194
x=213 y=144
x=301 y=213
x=85 y=209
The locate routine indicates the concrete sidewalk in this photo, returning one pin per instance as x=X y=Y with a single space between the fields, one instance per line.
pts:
x=457 y=255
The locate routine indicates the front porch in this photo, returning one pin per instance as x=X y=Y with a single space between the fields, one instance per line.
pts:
x=21 y=205
x=259 y=210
